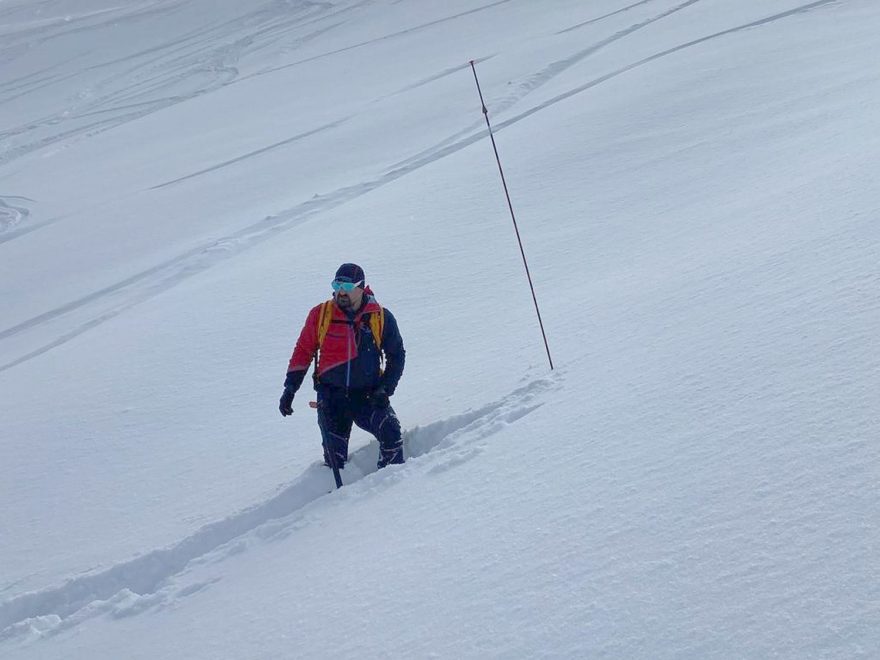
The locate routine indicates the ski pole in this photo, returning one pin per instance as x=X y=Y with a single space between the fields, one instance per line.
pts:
x=512 y=216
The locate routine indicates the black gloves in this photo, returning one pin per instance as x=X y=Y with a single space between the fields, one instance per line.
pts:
x=286 y=401
x=291 y=385
x=379 y=397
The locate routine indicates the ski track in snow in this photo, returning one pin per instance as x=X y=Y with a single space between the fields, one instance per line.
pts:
x=159 y=77
x=13 y=210
x=121 y=296
x=541 y=78
x=385 y=37
x=669 y=51
x=604 y=16
x=257 y=152
x=158 y=577
x=535 y=81
x=205 y=60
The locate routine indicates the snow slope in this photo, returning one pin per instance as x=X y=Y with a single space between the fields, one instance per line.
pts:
x=699 y=475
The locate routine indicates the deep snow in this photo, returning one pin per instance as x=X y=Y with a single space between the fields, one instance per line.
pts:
x=694 y=182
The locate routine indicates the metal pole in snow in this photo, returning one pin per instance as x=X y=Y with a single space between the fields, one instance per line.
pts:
x=512 y=216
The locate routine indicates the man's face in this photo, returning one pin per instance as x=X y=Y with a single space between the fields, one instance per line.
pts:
x=347 y=297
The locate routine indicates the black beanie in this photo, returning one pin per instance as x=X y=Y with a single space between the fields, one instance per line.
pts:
x=350 y=273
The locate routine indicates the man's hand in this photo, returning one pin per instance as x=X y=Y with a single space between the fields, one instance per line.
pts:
x=379 y=398
x=286 y=402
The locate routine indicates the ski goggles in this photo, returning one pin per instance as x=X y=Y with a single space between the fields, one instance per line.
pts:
x=344 y=285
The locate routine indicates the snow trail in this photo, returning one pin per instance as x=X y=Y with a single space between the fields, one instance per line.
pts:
x=146 y=581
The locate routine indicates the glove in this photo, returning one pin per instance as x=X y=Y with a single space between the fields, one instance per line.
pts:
x=380 y=398
x=285 y=404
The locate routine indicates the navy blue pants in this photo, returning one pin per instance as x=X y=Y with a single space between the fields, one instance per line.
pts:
x=338 y=410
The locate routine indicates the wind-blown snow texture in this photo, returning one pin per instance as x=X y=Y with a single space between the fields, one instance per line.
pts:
x=696 y=187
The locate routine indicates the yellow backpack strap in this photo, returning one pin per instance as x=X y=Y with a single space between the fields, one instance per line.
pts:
x=324 y=318
x=377 y=325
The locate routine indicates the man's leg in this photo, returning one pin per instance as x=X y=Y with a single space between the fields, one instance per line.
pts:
x=334 y=420
x=382 y=423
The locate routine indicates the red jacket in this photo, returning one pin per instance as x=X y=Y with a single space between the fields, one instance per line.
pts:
x=349 y=357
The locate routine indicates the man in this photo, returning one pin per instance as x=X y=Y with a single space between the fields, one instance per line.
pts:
x=349 y=380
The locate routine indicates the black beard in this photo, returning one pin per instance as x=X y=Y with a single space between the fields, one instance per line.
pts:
x=344 y=302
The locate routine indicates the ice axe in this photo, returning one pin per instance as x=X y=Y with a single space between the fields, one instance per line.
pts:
x=328 y=449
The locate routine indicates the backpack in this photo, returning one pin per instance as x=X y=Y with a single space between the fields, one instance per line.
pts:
x=325 y=317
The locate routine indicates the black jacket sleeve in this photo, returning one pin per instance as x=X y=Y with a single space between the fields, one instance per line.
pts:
x=395 y=355
x=294 y=380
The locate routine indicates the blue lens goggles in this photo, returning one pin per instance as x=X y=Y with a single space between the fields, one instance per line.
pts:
x=343 y=285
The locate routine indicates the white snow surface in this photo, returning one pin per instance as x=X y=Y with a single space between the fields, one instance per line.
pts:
x=695 y=184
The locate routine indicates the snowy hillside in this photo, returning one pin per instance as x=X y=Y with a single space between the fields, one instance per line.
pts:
x=694 y=180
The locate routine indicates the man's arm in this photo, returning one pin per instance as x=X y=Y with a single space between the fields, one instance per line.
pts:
x=303 y=352
x=395 y=355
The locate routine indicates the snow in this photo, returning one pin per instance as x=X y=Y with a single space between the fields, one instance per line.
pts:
x=693 y=180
